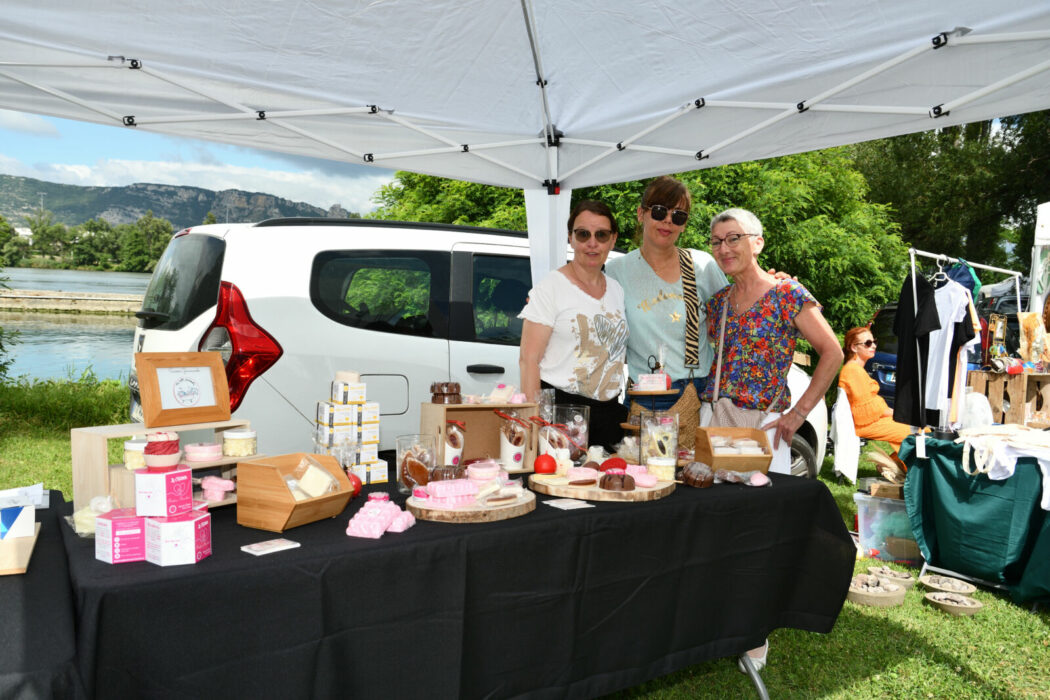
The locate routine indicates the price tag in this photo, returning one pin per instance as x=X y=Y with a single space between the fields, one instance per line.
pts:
x=920 y=446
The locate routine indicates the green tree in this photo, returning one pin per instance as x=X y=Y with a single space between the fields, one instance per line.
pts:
x=820 y=227
x=133 y=254
x=94 y=244
x=1026 y=171
x=946 y=188
x=414 y=197
x=210 y=218
x=7 y=337
x=50 y=238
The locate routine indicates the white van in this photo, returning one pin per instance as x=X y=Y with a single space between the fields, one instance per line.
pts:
x=289 y=302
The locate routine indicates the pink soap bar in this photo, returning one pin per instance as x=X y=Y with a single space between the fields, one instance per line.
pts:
x=360 y=527
x=402 y=522
x=645 y=480
x=214 y=483
x=452 y=487
x=203 y=451
x=451 y=502
x=483 y=471
x=636 y=469
x=582 y=474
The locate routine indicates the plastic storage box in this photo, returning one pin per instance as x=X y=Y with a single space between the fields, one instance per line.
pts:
x=884 y=529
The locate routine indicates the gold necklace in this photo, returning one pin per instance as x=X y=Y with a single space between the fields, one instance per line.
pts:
x=667 y=267
x=579 y=281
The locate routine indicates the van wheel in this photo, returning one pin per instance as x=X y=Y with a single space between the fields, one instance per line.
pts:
x=803 y=458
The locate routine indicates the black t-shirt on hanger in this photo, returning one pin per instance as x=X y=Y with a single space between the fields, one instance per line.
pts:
x=910 y=327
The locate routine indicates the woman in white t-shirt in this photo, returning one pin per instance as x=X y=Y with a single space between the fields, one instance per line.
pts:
x=574 y=336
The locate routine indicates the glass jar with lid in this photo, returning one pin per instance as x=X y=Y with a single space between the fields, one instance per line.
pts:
x=239 y=442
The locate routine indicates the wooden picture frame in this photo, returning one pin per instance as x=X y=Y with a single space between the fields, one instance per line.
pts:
x=178 y=388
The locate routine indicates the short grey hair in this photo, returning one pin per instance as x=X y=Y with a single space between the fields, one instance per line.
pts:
x=748 y=221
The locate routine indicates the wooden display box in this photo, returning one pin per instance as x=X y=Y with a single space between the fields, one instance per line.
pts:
x=1014 y=398
x=264 y=501
x=704 y=452
x=482 y=428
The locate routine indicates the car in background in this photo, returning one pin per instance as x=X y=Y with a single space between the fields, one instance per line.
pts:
x=1004 y=304
x=289 y=302
x=883 y=366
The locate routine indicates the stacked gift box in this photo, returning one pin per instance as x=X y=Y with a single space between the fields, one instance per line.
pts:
x=166 y=527
x=348 y=428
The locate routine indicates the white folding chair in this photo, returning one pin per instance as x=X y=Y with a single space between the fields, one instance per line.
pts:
x=844 y=437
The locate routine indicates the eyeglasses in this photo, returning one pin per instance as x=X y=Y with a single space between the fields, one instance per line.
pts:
x=659 y=213
x=583 y=235
x=732 y=240
x=868 y=343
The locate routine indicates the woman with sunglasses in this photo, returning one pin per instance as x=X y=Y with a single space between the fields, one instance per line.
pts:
x=651 y=277
x=872 y=416
x=574 y=333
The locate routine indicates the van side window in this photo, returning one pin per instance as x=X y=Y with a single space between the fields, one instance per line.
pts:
x=392 y=291
x=499 y=287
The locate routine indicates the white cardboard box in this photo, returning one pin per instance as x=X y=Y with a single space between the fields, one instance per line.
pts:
x=120 y=536
x=162 y=494
x=180 y=539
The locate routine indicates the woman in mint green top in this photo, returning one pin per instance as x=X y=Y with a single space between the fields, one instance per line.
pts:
x=651 y=277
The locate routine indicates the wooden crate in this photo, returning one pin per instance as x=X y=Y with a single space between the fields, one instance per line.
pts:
x=704 y=452
x=264 y=501
x=1014 y=398
x=482 y=428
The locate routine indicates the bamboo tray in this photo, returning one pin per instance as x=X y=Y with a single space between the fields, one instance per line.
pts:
x=559 y=486
x=526 y=503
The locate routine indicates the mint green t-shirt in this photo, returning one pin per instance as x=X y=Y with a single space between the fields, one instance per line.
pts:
x=656 y=313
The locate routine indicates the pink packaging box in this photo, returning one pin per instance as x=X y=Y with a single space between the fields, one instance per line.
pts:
x=180 y=539
x=163 y=494
x=120 y=536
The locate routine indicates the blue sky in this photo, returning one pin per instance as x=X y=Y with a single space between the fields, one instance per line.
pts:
x=81 y=153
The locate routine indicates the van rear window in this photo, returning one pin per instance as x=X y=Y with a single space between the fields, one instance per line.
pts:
x=391 y=291
x=185 y=282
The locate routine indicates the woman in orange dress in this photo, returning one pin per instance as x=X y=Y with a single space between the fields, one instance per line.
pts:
x=872 y=417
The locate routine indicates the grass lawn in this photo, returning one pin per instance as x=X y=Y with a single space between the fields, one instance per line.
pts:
x=911 y=651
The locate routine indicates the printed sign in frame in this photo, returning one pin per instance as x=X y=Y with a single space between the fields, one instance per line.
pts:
x=178 y=388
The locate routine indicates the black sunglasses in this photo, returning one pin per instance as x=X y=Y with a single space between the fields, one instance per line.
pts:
x=659 y=213
x=583 y=235
x=868 y=343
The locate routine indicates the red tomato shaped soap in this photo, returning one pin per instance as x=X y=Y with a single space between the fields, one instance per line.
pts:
x=545 y=464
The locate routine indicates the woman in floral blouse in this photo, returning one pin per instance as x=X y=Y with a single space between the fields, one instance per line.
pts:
x=764 y=319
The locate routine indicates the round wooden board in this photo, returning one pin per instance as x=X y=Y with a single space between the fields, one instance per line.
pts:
x=526 y=503
x=593 y=493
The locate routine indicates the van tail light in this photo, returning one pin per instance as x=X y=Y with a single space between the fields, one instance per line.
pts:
x=246 y=348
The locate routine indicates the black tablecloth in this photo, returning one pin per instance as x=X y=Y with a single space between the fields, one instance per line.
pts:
x=551 y=604
x=37 y=653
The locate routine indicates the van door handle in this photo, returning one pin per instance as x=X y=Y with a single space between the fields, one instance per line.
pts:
x=485 y=369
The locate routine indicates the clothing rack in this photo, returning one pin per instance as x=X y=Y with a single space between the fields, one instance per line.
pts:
x=945 y=259
x=941 y=261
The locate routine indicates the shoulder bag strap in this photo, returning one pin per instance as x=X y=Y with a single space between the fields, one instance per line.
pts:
x=692 y=311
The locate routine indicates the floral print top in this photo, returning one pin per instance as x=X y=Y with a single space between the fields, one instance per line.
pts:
x=759 y=346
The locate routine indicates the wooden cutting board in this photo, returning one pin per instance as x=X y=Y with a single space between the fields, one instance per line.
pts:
x=559 y=486
x=526 y=503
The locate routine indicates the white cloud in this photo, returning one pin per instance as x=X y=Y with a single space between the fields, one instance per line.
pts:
x=27 y=124
x=314 y=187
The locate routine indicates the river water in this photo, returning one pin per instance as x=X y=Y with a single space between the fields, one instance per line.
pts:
x=54 y=345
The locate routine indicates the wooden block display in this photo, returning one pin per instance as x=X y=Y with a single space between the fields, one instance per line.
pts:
x=16 y=552
x=265 y=502
x=704 y=452
x=1014 y=398
x=94 y=476
x=482 y=428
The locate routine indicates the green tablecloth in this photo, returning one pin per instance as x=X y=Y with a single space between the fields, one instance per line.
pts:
x=993 y=530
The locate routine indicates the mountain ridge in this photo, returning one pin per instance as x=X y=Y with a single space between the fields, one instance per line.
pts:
x=182 y=205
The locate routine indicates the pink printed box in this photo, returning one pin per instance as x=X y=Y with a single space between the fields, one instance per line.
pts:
x=180 y=539
x=163 y=494
x=120 y=536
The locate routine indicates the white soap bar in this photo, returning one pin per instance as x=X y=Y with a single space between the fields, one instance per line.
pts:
x=315 y=481
x=756 y=450
x=745 y=442
x=726 y=450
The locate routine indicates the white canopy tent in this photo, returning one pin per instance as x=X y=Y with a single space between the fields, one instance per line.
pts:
x=537 y=94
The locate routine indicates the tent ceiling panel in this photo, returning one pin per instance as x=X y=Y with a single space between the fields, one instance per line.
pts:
x=444 y=74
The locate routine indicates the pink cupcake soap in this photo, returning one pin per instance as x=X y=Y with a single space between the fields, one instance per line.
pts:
x=162 y=450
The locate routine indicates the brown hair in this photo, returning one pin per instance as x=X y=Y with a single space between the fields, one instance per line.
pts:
x=595 y=207
x=667 y=191
x=852 y=338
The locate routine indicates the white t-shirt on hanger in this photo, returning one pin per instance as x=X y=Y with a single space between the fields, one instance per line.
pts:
x=952 y=300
